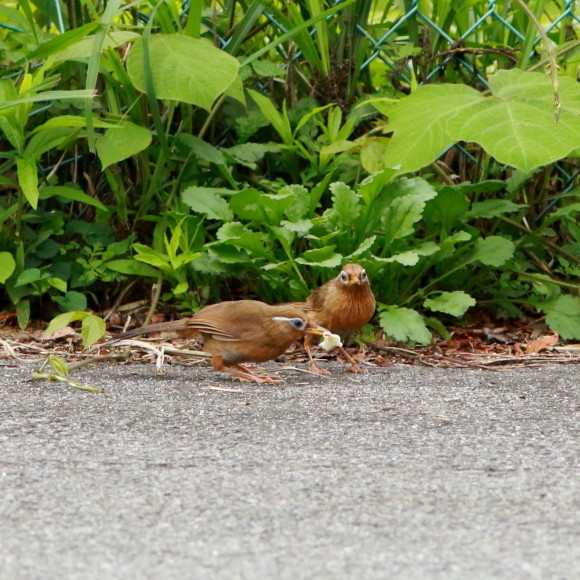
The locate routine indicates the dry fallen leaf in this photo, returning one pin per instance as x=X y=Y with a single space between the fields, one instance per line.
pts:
x=543 y=343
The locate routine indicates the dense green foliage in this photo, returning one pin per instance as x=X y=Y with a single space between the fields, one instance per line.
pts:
x=133 y=147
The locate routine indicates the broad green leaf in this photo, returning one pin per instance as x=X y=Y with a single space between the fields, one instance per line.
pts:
x=28 y=179
x=121 y=143
x=346 y=203
x=300 y=204
x=454 y=303
x=72 y=301
x=324 y=257
x=83 y=48
x=265 y=68
x=93 y=328
x=29 y=276
x=63 y=320
x=70 y=193
x=493 y=251
x=339 y=147
x=57 y=283
x=132 y=268
x=73 y=121
x=491 y=208
x=446 y=210
x=563 y=315
x=404 y=325
x=364 y=247
x=7 y=266
x=206 y=200
x=183 y=69
x=423 y=117
x=372 y=155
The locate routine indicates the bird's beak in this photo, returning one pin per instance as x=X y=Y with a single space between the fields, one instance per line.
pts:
x=316 y=330
x=354 y=281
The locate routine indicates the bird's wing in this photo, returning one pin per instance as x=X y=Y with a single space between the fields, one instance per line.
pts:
x=316 y=300
x=213 y=326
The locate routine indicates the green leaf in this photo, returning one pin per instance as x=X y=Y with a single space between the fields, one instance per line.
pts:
x=132 y=268
x=58 y=364
x=279 y=121
x=71 y=194
x=493 y=251
x=58 y=283
x=29 y=276
x=72 y=301
x=301 y=227
x=83 y=49
x=563 y=315
x=455 y=303
x=411 y=257
x=121 y=143
x=324 y=257
x=404 y=325
x=364 y=247
x=7 y=266
x=346 y=203
x=28 y=179
x=206 y=200
x=44 y=141
x=491 y=208
x=183 y=69
x=93 y=328
x=203 y=149
x=23 y=313
x=63 y=320
x=516 y=125
x=265 y=68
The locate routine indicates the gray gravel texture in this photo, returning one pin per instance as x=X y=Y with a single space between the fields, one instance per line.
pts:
x=408 y=472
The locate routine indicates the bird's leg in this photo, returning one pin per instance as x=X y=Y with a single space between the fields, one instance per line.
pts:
x=245 y=374
x=313 y=368
x=353 y=368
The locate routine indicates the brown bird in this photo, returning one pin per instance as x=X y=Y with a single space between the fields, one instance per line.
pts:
x=240 y=331
x=343 y=306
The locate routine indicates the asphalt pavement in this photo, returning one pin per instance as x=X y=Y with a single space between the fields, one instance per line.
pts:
x=407 y=472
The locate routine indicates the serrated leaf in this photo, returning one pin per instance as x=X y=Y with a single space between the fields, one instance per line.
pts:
x=92 y=329
x=493 y=251
x=206 y=200
x=491 y=208
x=411 y=257
x=563 y=315
x=203 y=149
x=72 y=301
x=7 y=266
x=364 y=247
x=455 y=303
x=301 y=227
x=404 y=325
x=183 y=69
x=346 y=203
x=121 y=143
x=324 y=257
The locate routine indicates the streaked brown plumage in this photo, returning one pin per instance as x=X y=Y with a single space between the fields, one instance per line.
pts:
x=343 y=306
x=240 y=331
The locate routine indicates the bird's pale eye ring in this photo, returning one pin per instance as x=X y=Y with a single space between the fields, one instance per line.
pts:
x=363 y=276
x=297 y=323
x=343 y=276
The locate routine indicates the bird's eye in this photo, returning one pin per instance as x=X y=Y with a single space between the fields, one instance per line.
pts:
x=344 y=277
x=363 y=276
x=298 y=323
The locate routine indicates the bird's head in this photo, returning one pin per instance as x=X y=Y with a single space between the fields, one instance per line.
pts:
x=353 y=275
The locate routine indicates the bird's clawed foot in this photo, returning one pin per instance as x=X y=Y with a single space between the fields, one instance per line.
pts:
x=313 y=368
x=245 y=374
x=354 y=368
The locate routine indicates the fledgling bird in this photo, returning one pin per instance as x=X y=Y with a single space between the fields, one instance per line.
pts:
x=240 y=331
x=343 y=306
